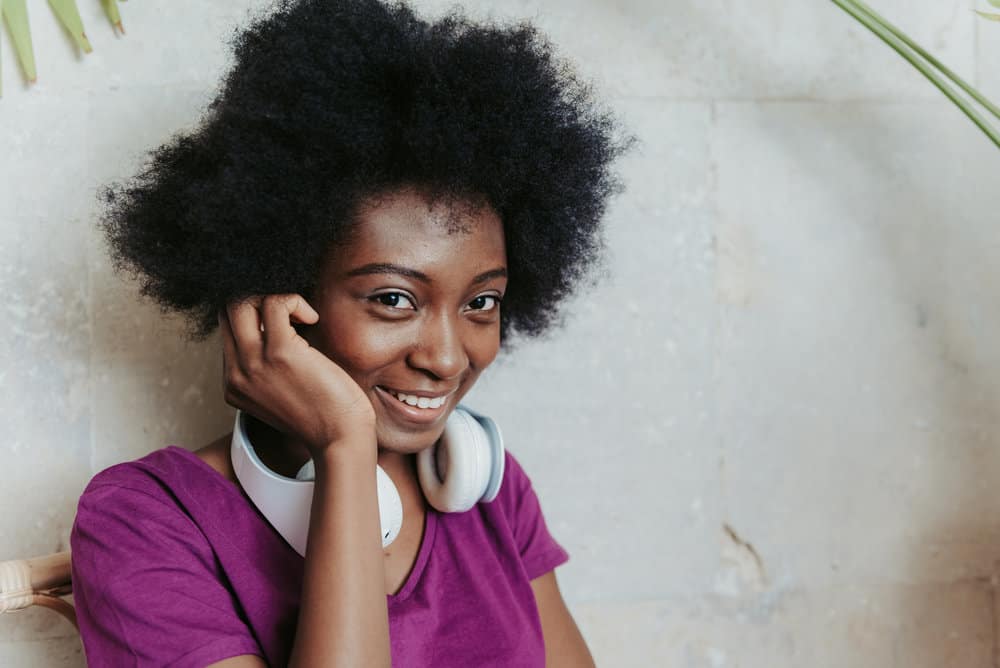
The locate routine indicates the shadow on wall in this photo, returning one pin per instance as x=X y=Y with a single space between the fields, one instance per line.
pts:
x=914 y=215
x=152 y=386
x=908 y=196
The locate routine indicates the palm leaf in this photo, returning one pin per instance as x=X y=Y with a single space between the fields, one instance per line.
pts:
x=69 y=16
x=111 y=9
x=926 y=64
x=15 y=13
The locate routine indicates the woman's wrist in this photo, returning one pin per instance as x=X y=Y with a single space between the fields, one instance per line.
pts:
x=358 y=449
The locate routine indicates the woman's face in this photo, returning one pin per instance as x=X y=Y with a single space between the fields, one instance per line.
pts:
x=410 y=309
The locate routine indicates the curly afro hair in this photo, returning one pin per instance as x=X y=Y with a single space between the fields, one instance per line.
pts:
x=331 y=102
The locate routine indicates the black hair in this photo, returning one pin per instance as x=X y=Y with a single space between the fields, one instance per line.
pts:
x=331 y=102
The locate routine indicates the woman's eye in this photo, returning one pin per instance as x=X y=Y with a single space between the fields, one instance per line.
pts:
x=484 y=303
x=394 y=300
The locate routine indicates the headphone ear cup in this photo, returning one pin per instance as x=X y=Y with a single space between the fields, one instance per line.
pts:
x=495 y=453
x=456 y=471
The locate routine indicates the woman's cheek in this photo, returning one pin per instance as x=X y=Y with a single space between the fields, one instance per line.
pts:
x=368 y=348
x=487 y=347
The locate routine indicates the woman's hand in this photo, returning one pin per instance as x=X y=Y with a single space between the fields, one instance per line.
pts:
x=272 y=373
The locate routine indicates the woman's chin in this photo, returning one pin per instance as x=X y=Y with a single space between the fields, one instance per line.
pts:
x=391 y=440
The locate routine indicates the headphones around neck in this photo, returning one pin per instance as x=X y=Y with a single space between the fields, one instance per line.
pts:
x=463 y=468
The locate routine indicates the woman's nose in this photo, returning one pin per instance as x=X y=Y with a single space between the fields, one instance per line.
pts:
x=440 y=350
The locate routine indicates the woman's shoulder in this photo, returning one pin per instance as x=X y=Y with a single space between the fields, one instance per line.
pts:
x=142 y=473
x=522 y=513
x=168 y=501
x=149 y=581
x=156 y=472
x=517 y=499
x=515 y=481
x=170 y=484
x=137 y=474
x=129 y=512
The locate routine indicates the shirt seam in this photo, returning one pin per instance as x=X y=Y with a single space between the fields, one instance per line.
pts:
x=241 y=645
x=547 y=561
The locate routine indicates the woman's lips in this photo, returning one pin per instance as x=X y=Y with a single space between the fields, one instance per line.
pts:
x=411 y=414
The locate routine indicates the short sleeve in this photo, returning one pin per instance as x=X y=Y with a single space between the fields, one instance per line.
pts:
x=146 y=585
x=540 y=553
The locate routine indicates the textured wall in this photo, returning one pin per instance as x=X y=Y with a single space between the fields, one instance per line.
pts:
x=768 y=437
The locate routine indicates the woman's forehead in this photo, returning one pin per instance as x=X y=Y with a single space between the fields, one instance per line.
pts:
x=406 y=229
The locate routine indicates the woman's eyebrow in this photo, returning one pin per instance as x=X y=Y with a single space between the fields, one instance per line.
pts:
x=388 y=268
x=399 y=270
x=499 y=272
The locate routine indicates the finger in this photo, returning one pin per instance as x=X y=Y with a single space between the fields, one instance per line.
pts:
x=303 y=312
x=278 y=312
x=245 y=322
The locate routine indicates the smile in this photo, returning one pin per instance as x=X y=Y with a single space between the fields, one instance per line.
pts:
x=419 y=402
x=411 y=407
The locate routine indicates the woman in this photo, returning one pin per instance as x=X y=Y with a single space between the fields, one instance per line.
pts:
x=365 y=191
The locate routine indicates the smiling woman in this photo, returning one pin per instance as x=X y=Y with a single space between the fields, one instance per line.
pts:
x=412 y=305
x=372 y=206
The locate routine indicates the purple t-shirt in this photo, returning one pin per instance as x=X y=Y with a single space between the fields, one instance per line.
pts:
x=174 y=566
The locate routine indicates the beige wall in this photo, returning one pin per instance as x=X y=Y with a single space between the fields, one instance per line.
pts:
x=768 y=438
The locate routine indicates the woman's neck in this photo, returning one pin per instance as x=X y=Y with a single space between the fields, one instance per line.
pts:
x=285 y=455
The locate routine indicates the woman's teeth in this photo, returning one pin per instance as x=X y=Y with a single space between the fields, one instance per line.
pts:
x=419 y=402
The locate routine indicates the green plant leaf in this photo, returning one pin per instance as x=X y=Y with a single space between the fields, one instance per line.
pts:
x=69 y=16
x=995 y=3
x=16 y=15
x=927 y=64
x=991 y=17
x=111 y=9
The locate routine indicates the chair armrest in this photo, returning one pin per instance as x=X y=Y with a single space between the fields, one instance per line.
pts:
x=37 y=581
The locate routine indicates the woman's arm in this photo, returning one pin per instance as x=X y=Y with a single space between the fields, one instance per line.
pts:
x=273 y=373
x=344 y=620
x=564 y=644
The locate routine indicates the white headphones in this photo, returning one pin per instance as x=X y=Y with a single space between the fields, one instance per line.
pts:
x=462 y=469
